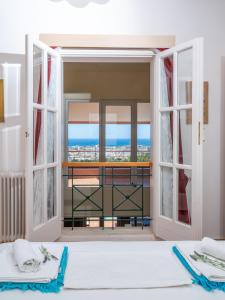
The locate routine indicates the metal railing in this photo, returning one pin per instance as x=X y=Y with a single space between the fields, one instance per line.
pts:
x=117 y=175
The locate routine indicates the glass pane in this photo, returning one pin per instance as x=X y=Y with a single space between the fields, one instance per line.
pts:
x=185 y=137
x=83 y=142
x=84 y=113
x=144 y=142
x=37 y=77
x=167 y=81
x=38 y=143
x=51 y=122
x=51 y=192
x=118 y=133
x=184 y=76
x=167 y=192
x=184 y=196
x=83 y=132
x=143 y=113
x=143 y=132
x=38 y=191
x=51 y=96
x=166 y=137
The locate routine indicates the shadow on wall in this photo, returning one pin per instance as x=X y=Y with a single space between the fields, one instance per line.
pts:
x=222 y=137
x=82 y=3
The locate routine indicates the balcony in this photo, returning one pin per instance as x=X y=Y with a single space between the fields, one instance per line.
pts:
x=107 y=194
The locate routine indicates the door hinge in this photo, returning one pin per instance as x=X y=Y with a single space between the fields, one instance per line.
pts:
x=199 y=133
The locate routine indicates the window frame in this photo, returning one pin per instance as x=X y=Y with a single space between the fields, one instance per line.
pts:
x=102 y=123
x=133 y=110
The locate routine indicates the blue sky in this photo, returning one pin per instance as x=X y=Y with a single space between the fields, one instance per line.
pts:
x=83 y=131
x=113 y=131
x=143 y=131
x=118 y=131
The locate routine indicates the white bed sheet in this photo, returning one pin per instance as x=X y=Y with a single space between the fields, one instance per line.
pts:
x=172 y=293
x=123 y=265
x=179 y=293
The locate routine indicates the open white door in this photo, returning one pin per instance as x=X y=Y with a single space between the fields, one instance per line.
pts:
x=43 y=156
x=178 y=122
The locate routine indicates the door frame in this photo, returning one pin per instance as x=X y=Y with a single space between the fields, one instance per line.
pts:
x=94 y=41
x=161 y=228
x=39 y=233
x=87 y=55
x=144 y=55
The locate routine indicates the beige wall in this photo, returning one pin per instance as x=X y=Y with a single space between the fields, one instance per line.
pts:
x=108 y=80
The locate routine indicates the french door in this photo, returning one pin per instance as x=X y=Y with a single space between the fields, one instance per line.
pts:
x=178 y=115
x=43 y=157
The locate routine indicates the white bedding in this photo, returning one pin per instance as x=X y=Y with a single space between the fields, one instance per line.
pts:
x=172 y=293
x=119 y=265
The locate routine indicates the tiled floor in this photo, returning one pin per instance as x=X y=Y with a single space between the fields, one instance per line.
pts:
x=98 y=234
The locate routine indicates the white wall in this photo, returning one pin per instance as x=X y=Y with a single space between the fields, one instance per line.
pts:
x=185 y=19
x=12 y=137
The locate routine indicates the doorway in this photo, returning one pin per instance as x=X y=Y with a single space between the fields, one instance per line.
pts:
x=107 y=119
x=185 y=85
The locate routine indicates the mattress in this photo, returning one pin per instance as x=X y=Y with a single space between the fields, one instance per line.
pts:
x=171 y=293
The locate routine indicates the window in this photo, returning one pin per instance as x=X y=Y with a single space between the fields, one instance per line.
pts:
x=83 y=140
x=125 y=130
x=118 y=133
x=83 y=132
x=143 y=132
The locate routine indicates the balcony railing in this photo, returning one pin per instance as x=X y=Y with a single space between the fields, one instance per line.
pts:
x=119 y=177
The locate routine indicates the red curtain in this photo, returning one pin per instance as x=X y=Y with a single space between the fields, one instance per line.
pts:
x=38 y=120
x=183 y=212
x=38 y=124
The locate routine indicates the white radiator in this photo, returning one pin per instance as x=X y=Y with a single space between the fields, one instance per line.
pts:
x=12 y=207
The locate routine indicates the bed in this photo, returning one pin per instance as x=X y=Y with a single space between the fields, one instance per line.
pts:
x=182 y=292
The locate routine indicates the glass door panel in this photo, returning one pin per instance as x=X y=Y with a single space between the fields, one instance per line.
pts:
x=83 y=141
x=178 y=165
x=185 y=136
x=38 y=198
x=37 y=75
x=51 y=81
x=118 y=133
x=166 y=198
x=167 y=82
x=166 y=137
x=51 y=134
x=184 y=196
x=38 y=137
x=43 y=174
x=143 y=132
x=51 y=193
x=184 y=76
x=83 y=131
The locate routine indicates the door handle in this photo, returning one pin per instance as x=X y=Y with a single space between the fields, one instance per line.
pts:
x=199 y=133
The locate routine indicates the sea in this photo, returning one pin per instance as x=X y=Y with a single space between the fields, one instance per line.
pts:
x=109 y=142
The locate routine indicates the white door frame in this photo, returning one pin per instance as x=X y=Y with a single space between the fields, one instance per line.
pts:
x=48 y=230
x=107 y=56
x=88 y=55
x=171 y=228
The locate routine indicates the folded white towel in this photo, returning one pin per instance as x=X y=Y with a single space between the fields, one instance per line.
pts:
x=209 y=271
x=213 y=248
x=9 y=271
x=26 y=259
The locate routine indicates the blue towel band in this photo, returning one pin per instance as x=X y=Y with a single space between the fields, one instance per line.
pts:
x=199 y=279
x=54 y=286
